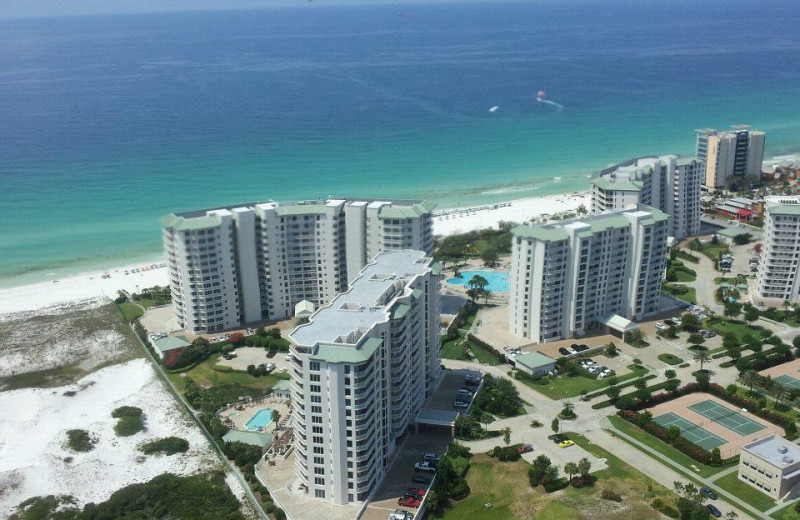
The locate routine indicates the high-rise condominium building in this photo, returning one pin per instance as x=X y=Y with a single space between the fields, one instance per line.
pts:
x=241 y=264
x=729 y=154
x=362 y=367
x=669 y=183
x=778 y=275
x=574 y=275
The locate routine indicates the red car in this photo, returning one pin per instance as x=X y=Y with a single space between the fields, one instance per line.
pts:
x=416 y=491
x=408 y=502
x=525 y=448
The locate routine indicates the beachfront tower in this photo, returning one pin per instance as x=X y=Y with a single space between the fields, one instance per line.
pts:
x=241 y=264
x=575 y=275
x=778 y=276
x=730 y=155
x=669 y=183
x=362 y=367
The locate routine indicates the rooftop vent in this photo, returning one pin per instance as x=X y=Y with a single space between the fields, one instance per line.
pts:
x=783 y=449
x=380 y=277
x=787 y=460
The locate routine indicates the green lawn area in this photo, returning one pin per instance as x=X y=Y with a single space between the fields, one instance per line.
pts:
x=681 y=292
x=778 y=515
x=663 y=448
x=713 y=251
x=452 y=350
x=130 y=311
x=571 y=386
x=740 y=329
x=483 y=357
x=670 y=359
x=206 y=376
x=744 y=492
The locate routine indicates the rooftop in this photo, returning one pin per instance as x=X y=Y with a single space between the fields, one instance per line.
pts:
x=557 y=231
x=370 y=300
x=534 y=360
x=775 y=450
x=171 y=343
x=783 y=205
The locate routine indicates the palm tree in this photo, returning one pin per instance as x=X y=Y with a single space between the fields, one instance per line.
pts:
x=486 y=295
x=702 y=356
x=778 y=392
x=507 y=435
x=750 y=379
x=584 y=466
x=570 y=468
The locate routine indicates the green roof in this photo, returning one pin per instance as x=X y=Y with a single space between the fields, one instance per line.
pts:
x=600 y=223
x=283 y=384
x=436 y=268
x=684 y=161
x=400 y=310
x=731 y=232
x=416 y=294
x=260 y=439
x=347 y=354
x=173 y=221
x=606 y=184
x=543 y=233
x=300 y=209
x=171 y=343
x=534 y=360
x=783 y=209
x=404 y=212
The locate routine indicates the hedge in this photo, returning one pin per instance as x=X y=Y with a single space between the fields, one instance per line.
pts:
x=488 y=348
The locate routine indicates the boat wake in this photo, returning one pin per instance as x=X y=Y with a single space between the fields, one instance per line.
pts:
x=559 y=106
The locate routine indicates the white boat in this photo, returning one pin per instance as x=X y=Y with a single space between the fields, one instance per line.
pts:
x=494 y=109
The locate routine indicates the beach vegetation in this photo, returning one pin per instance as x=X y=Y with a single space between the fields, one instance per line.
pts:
x=166 y=445
x=130 y=420
x=475 y=243
x=79 y=440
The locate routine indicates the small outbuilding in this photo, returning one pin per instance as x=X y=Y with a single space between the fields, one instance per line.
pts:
x=535 y=363
x=618 y=326
x=260 y=439
x=170 y=346
x=303 y=309
x=282 y=389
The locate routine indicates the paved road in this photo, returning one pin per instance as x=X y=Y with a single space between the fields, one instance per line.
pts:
x=591 y=423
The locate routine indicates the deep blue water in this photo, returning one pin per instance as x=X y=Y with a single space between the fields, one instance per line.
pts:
x=106 y=123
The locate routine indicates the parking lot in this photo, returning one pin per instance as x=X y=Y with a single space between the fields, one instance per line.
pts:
x=401 y=471
x=447 y=392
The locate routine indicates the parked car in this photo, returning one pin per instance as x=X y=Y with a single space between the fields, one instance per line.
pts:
x=431 y=457
x=271 y=353
x=564 y=352
x=566 y=444
x=458 y=403
x=424 y=466
x=709 y=493
x=707 y=333
x=408 y=502
x=419 y=479
x=473 y=379
x=399 y=514
x=416 y=491
x=525 y=448
x=582 y=348
x=558 y=438
x=661 y=326
x=415 y=496
x=716 y=513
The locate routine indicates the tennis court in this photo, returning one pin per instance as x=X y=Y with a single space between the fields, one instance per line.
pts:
x=730 y=419
x=692 y=433
x=787 y=381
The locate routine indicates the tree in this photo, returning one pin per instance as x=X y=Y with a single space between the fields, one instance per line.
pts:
x=486 y=295
x=732 y=309
x=690 y=323
x=568 y=411
x=751 y=314
x=570 y=468
x=742 y=239
x=489 y=256
x=640 y=384
x=613 y=393
x=672 y=385
x=507 y=435
x=584 y=466
x=670 y=374
x=538 y=469
x=702 y=356
x=779 y=393
x=555 y=426
x=478 y=282
x=636 y=337
x=276 y=417
x=750 y=378
x=611 y=350
x=473 y=294
x=696 y=338
x=703 y=379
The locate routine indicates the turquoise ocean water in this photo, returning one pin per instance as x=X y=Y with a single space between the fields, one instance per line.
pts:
x=107 y=123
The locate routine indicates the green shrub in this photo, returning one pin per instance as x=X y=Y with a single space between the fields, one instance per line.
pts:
x=79 y=440
x=221 y=368
x=167 y=446
x=128 y=425
x=555 y=485
x=126 y=411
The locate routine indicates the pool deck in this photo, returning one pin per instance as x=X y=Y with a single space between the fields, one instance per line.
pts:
x=237 y=415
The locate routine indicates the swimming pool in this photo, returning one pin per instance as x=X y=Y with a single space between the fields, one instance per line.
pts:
x=498 y=280
x=261 y=419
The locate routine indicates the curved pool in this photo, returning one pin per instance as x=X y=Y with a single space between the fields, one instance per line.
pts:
x=261 y=419
x=498 y=280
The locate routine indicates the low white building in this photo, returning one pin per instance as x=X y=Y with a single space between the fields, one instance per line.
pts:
x=362 y=367
x=568 y=277
x=771 y=465
x=534 y=363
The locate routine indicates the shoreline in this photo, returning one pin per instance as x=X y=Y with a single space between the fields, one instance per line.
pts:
x=104 y=283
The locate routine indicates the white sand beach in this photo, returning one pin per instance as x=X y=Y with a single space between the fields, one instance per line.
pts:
x=461 y=220
x=93 y=285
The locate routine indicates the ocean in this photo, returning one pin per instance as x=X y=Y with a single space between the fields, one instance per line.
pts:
x=107 y=123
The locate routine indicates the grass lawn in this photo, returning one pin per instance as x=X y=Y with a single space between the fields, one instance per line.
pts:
x=452 y=350
x=713 y=251
x=670 y=359
x=778 y=515
x=206 y=376
x=683 y=275
x=130 y=311
x=740 y=329
x=571 y=386
x=676 y=291
x=483 y=357
x=744 y=492
x=663 y=448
